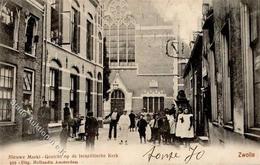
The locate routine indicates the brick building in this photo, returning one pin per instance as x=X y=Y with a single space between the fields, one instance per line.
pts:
x=231 y=66
x=74 y=57
x=21 y=47
x=142 y=75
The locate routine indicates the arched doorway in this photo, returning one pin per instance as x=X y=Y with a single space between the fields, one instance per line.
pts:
x=117 y=100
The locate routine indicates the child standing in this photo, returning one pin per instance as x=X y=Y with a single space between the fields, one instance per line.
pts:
x=188 y=130
x=64 y=135
x=142 y=128
x=172 y=124
x=82 y=129
x=179 y=125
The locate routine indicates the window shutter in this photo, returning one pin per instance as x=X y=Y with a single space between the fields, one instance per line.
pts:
x=66 y=29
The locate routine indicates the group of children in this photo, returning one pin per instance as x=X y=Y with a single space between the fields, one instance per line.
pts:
x=168 y=127
x=83 y=129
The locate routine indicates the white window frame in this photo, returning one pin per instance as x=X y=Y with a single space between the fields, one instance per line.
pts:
x=33 y=83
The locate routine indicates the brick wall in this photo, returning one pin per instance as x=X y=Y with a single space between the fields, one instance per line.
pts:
x=21 y=61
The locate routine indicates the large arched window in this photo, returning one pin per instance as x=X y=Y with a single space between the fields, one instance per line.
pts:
x=119 y=29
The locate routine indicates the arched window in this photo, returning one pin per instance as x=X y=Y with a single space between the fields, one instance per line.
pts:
x=121 y=39
x=31 y=35
x=118 y=100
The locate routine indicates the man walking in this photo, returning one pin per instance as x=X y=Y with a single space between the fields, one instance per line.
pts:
x=114 y=115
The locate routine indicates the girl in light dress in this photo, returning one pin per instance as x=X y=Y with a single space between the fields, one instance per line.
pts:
x=81 y=133
x=172 y=125
x=184 y=126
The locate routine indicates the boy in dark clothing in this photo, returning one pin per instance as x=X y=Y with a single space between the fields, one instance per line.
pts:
x=141 y=124
x=64 y=135
x=132 y=121
x=91 y=128
x=164 y=129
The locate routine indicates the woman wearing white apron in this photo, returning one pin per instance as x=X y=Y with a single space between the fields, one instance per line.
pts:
x=188 y=130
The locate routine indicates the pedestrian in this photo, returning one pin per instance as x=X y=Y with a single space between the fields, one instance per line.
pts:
x=64 y=135
x=188 y=130
x=74 y=124
x=91 y=130
x=27 y=128
x=154 y=128
x=164 y=129
x=142 y=124
x=132 y=121
x=124 y=123
x=173 y=110
x=67 y=117
x=172 y=124
x=179 y=125
x=44 y=116
x=81 y=133
x=114 y=116
x=66 y=113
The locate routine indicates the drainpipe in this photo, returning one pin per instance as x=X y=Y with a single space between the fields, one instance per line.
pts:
x=45 y=48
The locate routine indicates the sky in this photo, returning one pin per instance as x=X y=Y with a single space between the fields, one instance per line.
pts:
x=186 y=13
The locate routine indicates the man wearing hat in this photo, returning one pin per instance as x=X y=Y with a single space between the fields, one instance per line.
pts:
x=91 y=129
